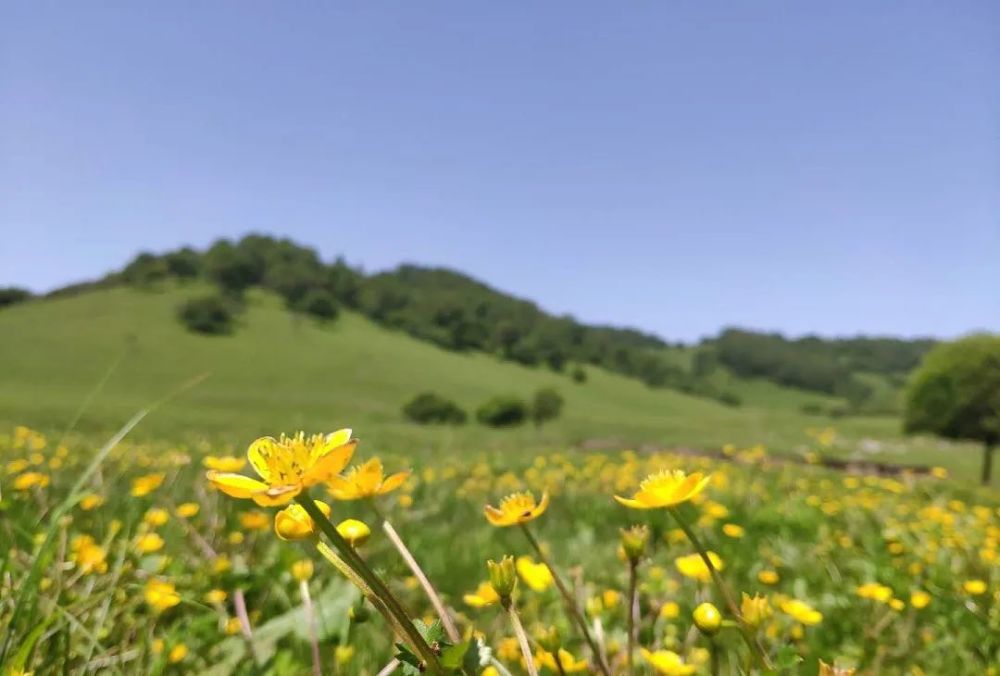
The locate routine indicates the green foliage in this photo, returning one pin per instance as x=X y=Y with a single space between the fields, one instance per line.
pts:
x=232 y=268
x=12 y=294
x=431 y=408
x=210 y=315
x=318 y=303
x=145 y=269
x=730 y=398
x=546 y=405
x=956 y=393
x=502 y=411
x=183 y=264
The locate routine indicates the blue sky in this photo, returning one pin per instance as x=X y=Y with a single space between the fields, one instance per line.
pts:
x=798 y=166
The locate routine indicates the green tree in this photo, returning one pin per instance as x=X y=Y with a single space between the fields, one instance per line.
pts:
x=210 y=315
x=547 y=405
x=502 y=411
x=955 y=393
x=430 y=408
x=12 y=294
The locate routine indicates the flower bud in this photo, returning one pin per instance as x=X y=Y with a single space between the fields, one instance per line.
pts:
x=302 y=570
x=503 y=577
x=293 y=523
x=354 y=531
x=754 y=610
x=708 y=619
x=634 y=541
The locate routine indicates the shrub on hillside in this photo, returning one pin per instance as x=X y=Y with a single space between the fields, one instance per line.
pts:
x=578 y=374
x=318 y=303
x=210 y=315
x=729 y=398
x=502 y=411
x=547 y=405
x=428 y=408
x=11 y=295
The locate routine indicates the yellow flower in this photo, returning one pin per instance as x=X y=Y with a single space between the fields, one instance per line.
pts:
x=569 y=664
x=293 y=523
x=88 y=555
x=30 y=480
x=503 y=577
x=801 y=612
x=694 y=566
x=668 y=662
x=974 y=587
x=144 y=485
x=177 y=653
x=708 y=619
x=188 y=509
x=516 y=508
x=342 y=654
x=221 y=564
x=670 y=610
x=161 y=595
x=287 y=466
x=255 y=520
x=919 y=599
x=226 y=463
x=482 y=597
x=754 y=609
x=156 y=517
x=365 y=481
x=536 y=575
x=215 y=596
x=149 y=543
x=875 y=592
x=354 y=531
x=302 y=570
x=666 y=489
x=232 y=626
x=91 y=501
x=734 y=531
x=768 y=577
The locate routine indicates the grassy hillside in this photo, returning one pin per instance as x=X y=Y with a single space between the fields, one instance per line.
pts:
x=283 y=372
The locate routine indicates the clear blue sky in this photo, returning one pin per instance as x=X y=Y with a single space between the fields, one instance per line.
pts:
x=677 y=166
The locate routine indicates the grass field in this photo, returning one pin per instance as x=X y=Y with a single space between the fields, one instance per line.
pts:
x=276 y=372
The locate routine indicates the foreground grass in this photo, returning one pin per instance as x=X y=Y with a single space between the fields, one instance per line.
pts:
x=143 y=573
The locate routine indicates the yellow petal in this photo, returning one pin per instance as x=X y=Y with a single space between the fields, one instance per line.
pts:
x=495 y=516
x=277 y=495
x=393 y=482
x=634 y=504
x=258 y=453
x=236 y=485
x=542 y=506
x=331 y=462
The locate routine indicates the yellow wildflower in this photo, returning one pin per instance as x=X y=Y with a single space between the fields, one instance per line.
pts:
x=733 y=530
x=666 y=489
x=293 y=523
x=670 y=610
x=188 y=509
x=708 y=619
x=177 y=653
x=88 y=555
x=536 y=575
x=354 y=531
x=754 y=609
x=161 y=595
x=30 y=480
x=226 y=463
x=255 y=520
x=694 y=566
x=482 y=597
x=215 y=596
x=568 y=663
x=91 y=501
x=919 y=599
x=156 y=517
x=516 y=508
x=149 y=543
x=668 y=662
x=302 y=570
x=875 y=592
x=365 y=481
x=768 y=577
x=343 y=654
x=144 y=485
x=801 y=612
x=974 y=587
x=287 y=466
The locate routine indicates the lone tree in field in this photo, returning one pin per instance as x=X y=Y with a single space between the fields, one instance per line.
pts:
x=546 y=406
x=955 y=393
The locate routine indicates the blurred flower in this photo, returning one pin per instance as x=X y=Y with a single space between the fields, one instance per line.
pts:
x=668 y=662
x=88 y=555
x=567 y=663
x=149 y=543
x=302 y=570
x=343 y=654
x=708 y=619
x=919 y=599
x=287 y=466
x=634 y=540
x=365 y=481
x=754 y=609
x=768 y=577
x=516 y=508
x=30 y=480
x=801 y=612
x=536 y=575
x=666 y=489
x=734 y=531
x=187 y=510
x=875 y=592
x=177 y=653
x=670 y=610
x=974 y=587
x=255 y=520
x=226 y=463
x=160 y=595
x=503 y=577
x=482 y=597
x=91 y=501
x=215 y=596
x=156 y=516
x=694 y=566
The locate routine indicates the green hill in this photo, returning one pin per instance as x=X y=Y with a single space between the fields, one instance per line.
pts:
x=280 y=371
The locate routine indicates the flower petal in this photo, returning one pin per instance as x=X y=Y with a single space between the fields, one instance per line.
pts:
x=330 y=462
x=393 y=482
x=277 y=495
x=258 y=453
x=236 y=485
x=634 y=504
x=495 y=516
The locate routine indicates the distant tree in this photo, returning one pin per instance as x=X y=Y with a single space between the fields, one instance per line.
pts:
x=318 y=303
x=210 y=315
x=502 y=411
x=183 y=264
x=12 y=294
x=232 y=268
x=955 y=393
x=578 y=374
x=729 y=399
x=546 y=406
x=145 y=270
x=430 y=408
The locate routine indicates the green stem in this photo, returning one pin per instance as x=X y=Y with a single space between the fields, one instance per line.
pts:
x=522 y=637
x=571 y=606
x=724 y=590
x=378 y=587
x=633 y=612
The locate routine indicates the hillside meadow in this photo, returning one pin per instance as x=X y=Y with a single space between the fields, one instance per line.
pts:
x=121 y=556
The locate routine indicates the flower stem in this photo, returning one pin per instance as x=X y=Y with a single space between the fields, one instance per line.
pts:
x=436 y=601
x=313 y=636
x=751 y=640
x=373 y=581
x=522 y=637
x=571 y=607
x=633 y=612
